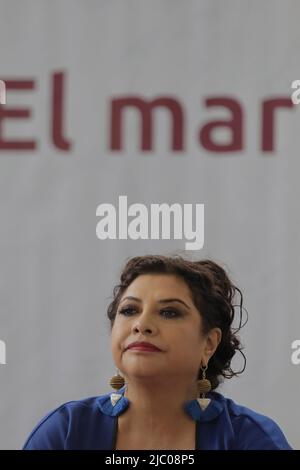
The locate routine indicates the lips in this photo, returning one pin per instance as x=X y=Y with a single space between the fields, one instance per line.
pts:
x=143 y=346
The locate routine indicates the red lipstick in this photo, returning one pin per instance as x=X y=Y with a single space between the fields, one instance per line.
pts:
x=143 y=346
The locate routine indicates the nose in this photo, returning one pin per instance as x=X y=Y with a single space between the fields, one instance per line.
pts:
x=145 y=324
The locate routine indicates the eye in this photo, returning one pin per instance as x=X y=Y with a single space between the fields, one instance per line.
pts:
x=127 y=311
x=170 y=313
x=167 y=313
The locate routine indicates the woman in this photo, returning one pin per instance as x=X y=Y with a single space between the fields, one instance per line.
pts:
x=172 y=341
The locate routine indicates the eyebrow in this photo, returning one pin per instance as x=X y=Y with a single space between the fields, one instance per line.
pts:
x=163 y=301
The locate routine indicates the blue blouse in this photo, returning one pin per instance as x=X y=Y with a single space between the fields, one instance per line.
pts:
x=92 y=423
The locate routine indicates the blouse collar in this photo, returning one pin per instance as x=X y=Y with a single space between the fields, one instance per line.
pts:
x=115 y=403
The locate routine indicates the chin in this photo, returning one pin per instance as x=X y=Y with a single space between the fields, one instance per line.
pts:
x=146 y=375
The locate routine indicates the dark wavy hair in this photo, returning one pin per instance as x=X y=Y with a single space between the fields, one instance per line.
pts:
x=213 y=294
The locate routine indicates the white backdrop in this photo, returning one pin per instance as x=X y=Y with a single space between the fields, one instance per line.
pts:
x=56 y=278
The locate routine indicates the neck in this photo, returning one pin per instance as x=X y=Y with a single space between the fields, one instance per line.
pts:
x=160 y=401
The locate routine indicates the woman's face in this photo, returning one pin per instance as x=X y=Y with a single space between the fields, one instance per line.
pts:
x=158 y=309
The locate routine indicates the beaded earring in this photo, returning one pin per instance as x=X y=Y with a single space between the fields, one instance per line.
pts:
x=117 y=381
x=204 y=386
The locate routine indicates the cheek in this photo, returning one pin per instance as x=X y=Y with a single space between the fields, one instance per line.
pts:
x=114 y=340
x=192 y=343
x=115 y=350
x=118 y=335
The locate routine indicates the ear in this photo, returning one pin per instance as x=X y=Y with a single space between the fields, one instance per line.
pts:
x=212 y=341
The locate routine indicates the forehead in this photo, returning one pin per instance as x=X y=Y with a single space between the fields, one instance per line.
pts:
x=159 y=285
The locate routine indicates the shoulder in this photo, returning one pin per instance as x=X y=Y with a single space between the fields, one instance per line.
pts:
x=252 y=430
x=67 y=426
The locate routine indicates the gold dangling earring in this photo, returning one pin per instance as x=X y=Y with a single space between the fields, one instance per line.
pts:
x=117 y=381
x=204 y=386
